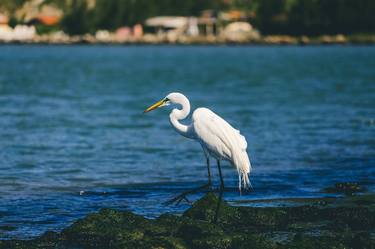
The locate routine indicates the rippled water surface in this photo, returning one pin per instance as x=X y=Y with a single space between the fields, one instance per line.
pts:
x=73 y=138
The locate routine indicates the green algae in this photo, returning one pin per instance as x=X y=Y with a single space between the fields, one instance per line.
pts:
x=346 y=222
x=348 y=188
x=7 y=228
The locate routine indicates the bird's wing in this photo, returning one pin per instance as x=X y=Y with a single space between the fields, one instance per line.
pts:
x=217 y=134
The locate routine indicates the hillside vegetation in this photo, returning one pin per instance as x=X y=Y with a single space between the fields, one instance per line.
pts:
x=291 y=17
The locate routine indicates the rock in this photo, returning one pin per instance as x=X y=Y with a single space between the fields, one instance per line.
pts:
x=205 y=209
x=344 y=223
x=280 y=39
x=348 y=188
x=7 y=228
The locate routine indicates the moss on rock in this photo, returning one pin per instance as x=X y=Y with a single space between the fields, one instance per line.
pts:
x=211 y=223
x=348 y=188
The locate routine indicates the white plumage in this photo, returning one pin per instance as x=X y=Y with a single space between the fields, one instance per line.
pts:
x=222 y=141
x=216 y=136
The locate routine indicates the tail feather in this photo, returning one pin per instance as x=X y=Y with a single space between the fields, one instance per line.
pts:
x=242 y=163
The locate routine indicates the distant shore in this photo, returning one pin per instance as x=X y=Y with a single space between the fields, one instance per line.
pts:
x=368 y=39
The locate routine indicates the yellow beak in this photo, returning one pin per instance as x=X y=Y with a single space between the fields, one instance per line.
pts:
x=154 y=106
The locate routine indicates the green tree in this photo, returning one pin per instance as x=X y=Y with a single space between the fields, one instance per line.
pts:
x=76 y=21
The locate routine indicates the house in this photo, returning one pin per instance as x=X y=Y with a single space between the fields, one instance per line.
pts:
x=167 y=24
x=4 y=19
x=48 y=15
x=208 y=23
x=38 y=12
x=5 y=30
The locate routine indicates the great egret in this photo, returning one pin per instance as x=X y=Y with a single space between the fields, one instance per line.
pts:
x=216 y=136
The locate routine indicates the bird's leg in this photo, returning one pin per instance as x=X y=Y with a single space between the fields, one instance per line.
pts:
x=220 y=193
x=218 y=206
x=221 y=176
x=183 y=195
x=208 y=170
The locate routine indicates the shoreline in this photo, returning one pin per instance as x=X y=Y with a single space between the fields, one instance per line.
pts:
x=347 y=221
x=343 y=222
x=270 y=40
x=186 y=45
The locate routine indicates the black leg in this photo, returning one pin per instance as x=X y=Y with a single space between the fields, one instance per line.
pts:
x=183 y=195
x=221 y=176
x=220 y=193
x=208 y=171
x=218 y=205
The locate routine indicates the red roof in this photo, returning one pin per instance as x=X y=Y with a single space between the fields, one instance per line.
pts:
x=3 y=19
x=48 y=20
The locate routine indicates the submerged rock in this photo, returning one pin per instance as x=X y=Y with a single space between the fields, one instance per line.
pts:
x=211 y=223
x=348 y=188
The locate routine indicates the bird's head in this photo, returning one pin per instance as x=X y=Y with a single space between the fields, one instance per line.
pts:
x=171 y=98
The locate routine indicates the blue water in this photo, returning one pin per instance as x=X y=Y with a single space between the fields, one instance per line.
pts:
x=73 y=138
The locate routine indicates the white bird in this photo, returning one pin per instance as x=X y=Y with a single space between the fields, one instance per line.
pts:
x=216 y=136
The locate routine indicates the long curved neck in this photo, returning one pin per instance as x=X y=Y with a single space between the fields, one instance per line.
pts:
x=179 y=114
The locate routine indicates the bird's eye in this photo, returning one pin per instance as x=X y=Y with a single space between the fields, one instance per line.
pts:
x=166 y=99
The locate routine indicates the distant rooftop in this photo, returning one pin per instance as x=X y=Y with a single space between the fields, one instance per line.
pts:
x=167 y=21
x=3 y=19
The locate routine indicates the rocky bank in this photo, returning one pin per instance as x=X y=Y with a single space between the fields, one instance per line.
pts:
x=345 y=222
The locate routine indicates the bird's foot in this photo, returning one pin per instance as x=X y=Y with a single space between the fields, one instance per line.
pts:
x=183 y=195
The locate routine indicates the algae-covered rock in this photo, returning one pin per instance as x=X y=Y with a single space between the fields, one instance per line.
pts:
x=263 y=218
x=211 y=223
x=192 y=229
x=217 y=242
x=302 y=241
x=210 y=207
x=106 y=228
x=254 y=241
x=348 y=188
